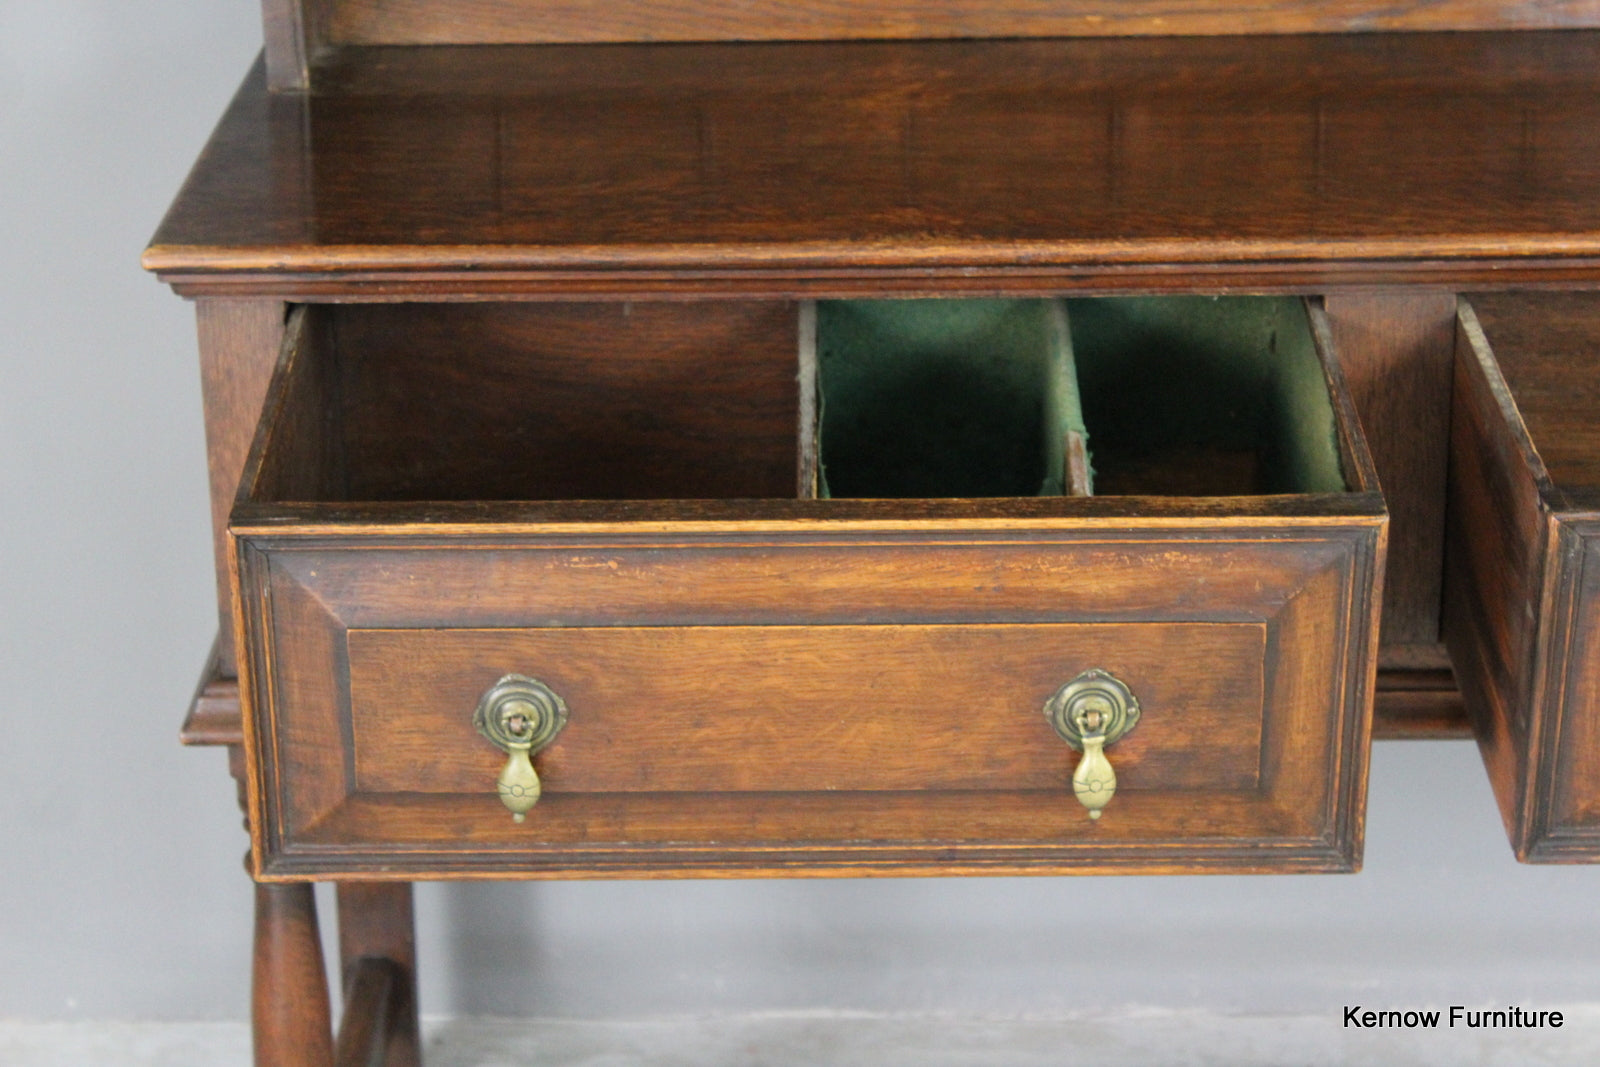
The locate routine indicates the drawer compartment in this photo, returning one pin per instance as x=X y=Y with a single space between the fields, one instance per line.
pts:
x=1522 y=574
x=946 y=398
x=761 y=682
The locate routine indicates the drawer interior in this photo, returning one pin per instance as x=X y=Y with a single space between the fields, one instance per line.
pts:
x=976 y=398
x=537 y=401
x=1185 y=396
x=928 y=398
x=1200 y=396
x=1546 y=346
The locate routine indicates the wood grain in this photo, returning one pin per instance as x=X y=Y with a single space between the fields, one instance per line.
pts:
x=378 y=952
x=790 y=709
x=1408 y=705
x=1309 y=589
x=1523 y=581
x=369 y=997
x=1313 y=584
x=778 y=835
x=1497 y=532
x=239 y=347
x=375 y=625
x=289 y=988
x=289 y=29
x=525 y=21
x=304 y=457
x=550 y=401
x=1566 y=800
x=1397 y=349
x=316 y=779
x=1198 y=164
x=1418 y=705
x=1547 y=346
x=929 y=573
x=214 y=717
x=571 y=521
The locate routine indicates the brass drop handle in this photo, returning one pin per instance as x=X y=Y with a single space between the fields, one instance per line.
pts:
x=520 y=716
x=1090 y=712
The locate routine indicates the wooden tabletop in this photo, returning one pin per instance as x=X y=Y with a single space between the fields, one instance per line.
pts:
x=1224 y=163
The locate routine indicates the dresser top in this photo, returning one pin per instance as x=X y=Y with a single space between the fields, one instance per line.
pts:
x=1264 y=163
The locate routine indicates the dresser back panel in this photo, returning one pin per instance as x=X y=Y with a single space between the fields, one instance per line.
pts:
x=534 y=21
x=297 y=31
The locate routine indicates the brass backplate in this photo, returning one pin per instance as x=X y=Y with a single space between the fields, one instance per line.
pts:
x=1093 y=691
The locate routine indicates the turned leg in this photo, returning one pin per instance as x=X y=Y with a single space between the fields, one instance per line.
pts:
x=289 y=989
x=289 y=1011
x=378 y=958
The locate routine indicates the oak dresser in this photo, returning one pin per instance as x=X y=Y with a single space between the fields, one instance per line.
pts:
x=701 y=439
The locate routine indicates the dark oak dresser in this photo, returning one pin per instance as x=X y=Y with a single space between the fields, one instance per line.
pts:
x=691 y=439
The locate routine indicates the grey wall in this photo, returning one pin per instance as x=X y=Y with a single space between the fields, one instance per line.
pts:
x=121 y=893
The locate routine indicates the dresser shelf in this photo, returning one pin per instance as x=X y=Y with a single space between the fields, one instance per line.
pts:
x=1220 y=164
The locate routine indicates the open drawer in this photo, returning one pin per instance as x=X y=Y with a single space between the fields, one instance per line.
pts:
x=1522 y=576
x=466 y=518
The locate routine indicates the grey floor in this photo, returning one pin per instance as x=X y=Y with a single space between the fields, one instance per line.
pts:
x=1183 y=1039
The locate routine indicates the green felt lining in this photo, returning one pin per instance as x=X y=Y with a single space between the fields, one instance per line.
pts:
x=976 y=398
x=954 y=398
x=1169 y=374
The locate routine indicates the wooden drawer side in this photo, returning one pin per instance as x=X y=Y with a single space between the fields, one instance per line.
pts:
x=1564 y=823
x=1520 y=581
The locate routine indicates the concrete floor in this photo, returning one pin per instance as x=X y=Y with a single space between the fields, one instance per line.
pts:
x=1142 y=1038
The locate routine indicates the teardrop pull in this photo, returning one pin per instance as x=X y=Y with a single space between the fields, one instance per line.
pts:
x=519 y=784
x=1094 y=782
x=1089 y=713
x=520 y=715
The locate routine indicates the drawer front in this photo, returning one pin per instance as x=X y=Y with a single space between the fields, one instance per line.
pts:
x=1522 y=582
x=789 y=700
x=805 y=708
